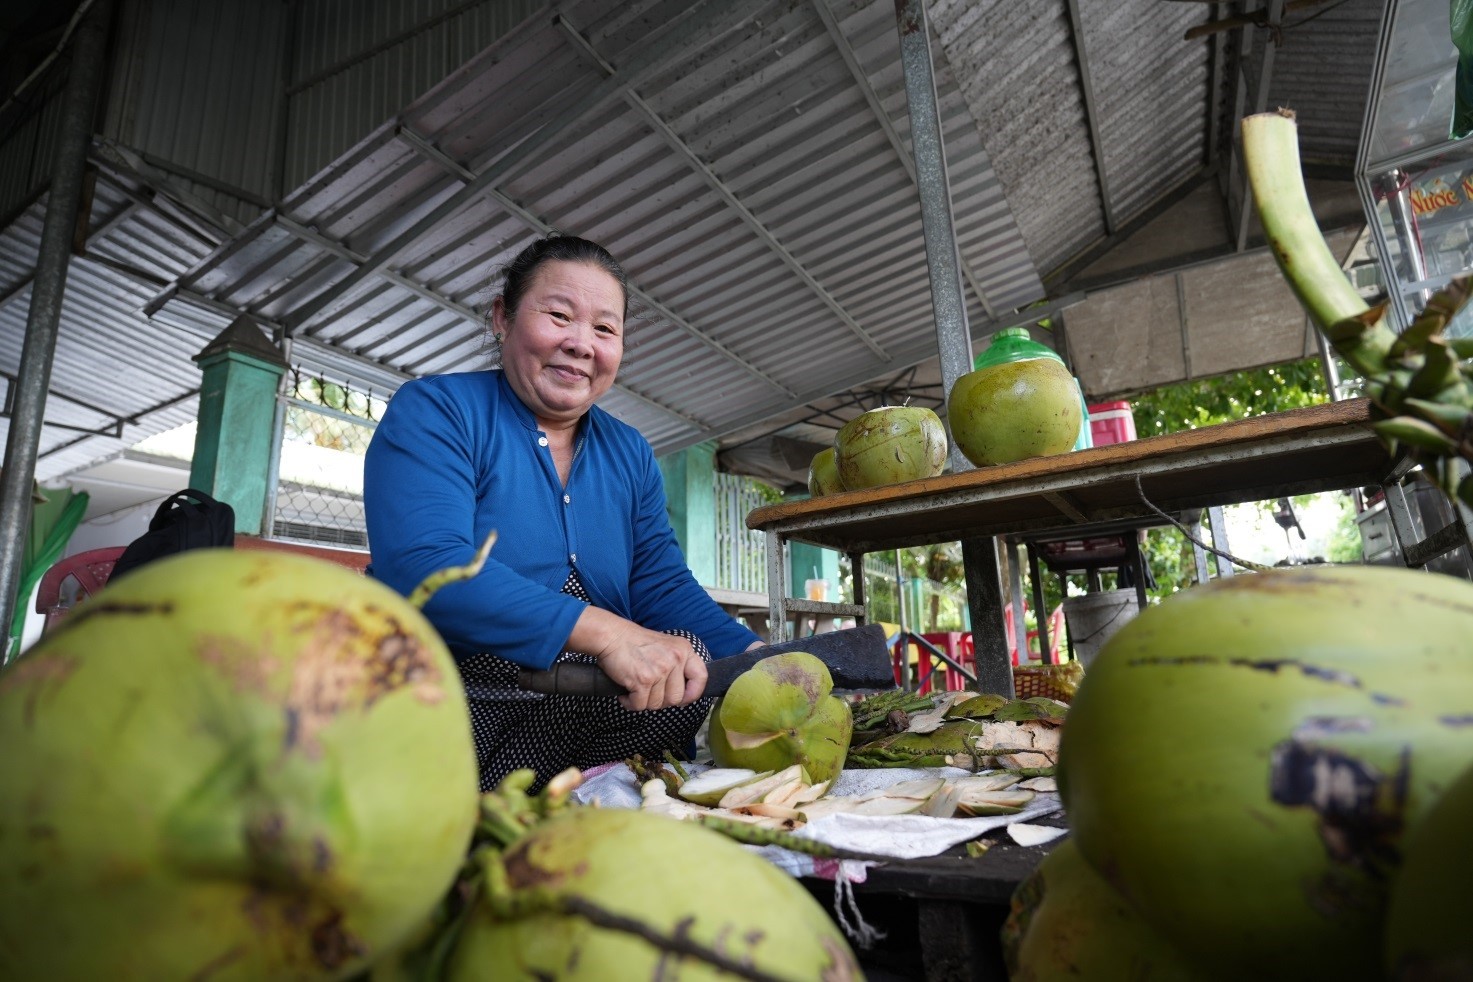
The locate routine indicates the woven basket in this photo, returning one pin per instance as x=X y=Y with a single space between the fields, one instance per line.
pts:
x=1054 y=681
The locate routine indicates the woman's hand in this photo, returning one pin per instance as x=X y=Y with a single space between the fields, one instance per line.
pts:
x=657 y=670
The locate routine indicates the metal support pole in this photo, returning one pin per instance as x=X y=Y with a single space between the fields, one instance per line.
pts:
x=953 y=341
x=989 y=638
x=1397 y=189
x=73 y=137
x=777 y=588
x=1020 y=626
x=1220 y=540
x=1327 y=362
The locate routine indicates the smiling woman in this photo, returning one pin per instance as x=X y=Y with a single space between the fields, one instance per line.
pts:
x=586 y=566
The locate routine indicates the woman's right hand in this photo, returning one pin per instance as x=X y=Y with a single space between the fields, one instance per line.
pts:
x=657 y=670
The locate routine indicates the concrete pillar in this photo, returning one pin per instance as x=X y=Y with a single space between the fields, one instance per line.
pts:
x=237 y=420
x=690 y=498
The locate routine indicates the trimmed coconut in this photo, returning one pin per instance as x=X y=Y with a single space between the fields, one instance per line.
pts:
x=678 y=882
x=779 y=713
x=241 y=763
x=708 y=787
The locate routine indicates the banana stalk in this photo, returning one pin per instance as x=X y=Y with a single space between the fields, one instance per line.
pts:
x=1420 y=382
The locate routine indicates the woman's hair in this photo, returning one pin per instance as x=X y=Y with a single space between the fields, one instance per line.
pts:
x=558 y=248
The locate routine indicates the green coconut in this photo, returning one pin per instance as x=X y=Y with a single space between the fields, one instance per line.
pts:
x=1065 y=922
x=823 y=474
x=1427 y=934
x=890 y=445
x=229 y=765
x=1243 y=761
x=615 y=894
x=781 y=712
x=1014 y=411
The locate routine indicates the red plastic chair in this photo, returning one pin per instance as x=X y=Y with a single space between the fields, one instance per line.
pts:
x=90 y=569
x=1055 y=632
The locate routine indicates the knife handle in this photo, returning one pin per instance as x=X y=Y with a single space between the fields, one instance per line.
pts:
x=570 y=679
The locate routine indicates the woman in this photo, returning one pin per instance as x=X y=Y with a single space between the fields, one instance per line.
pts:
x=585 y=567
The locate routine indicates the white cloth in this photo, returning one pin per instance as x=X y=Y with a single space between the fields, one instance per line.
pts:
x=895 y=836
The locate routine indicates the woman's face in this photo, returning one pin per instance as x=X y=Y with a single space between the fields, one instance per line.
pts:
x=562 y=346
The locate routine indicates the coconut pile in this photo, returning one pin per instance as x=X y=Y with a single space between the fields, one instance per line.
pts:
x=251 y=765
x=1268 y=776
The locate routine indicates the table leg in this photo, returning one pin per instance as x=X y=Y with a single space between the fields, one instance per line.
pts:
x=1220 y=541
x=1199 y=555
x=985 y=600
x=1039 y=613
x=1401 y=519
x=777 y=588
x=959 y=941
x=1020 y=631
x=1138 y=565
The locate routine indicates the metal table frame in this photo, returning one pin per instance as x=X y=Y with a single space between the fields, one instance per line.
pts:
x=1086 y=493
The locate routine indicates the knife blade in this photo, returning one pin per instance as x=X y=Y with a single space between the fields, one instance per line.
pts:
x=857 y=658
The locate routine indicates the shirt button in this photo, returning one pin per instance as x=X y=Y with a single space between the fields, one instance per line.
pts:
x=567 y=499
x=542 y=441
x=572 y=557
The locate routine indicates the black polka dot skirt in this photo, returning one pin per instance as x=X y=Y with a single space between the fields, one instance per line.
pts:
x=515 y=729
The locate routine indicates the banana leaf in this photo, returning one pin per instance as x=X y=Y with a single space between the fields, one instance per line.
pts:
x=55 y=515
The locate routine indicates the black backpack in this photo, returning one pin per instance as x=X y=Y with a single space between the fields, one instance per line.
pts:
x=186 y=520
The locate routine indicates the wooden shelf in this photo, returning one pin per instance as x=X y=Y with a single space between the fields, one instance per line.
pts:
x=1320 y=448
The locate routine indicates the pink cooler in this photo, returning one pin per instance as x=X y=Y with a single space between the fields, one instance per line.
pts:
x=1111 y=422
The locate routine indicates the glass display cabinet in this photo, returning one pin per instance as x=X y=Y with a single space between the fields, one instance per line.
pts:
x=1415 y=181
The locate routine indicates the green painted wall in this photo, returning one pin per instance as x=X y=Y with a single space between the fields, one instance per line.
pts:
x=690 y=497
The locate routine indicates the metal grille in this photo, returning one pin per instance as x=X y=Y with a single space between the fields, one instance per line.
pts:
x=921 y=604
x=325 y=429
x=741 y=553
x=881 y=597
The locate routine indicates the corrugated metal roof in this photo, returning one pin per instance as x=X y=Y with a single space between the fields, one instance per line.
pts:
x=1153 y=91
x=1022 y=82
x=188 y=96
x=770 y=229
x=747 y=161
x=356 y=64
x=1321 y=72
x=117 y=376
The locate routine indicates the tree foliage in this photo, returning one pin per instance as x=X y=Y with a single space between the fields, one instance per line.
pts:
x=1208 y=402
x=1237 y=395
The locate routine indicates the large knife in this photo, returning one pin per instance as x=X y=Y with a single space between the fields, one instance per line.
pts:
x=857 y=658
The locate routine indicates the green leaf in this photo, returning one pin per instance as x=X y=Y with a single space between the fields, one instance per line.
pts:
x=1364 y=340
x=1450 y=419
x=1438 y=372
x=1414 y=432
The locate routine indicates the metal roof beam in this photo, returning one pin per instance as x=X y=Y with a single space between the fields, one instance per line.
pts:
x=279 y=331
x=1260 y=104
x=133 y=420
x=675 y=143
x=98 y=232
x=846 y=52
x=340 y=250
x=647 y=59
x=447 y=162
x=1091 y=114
